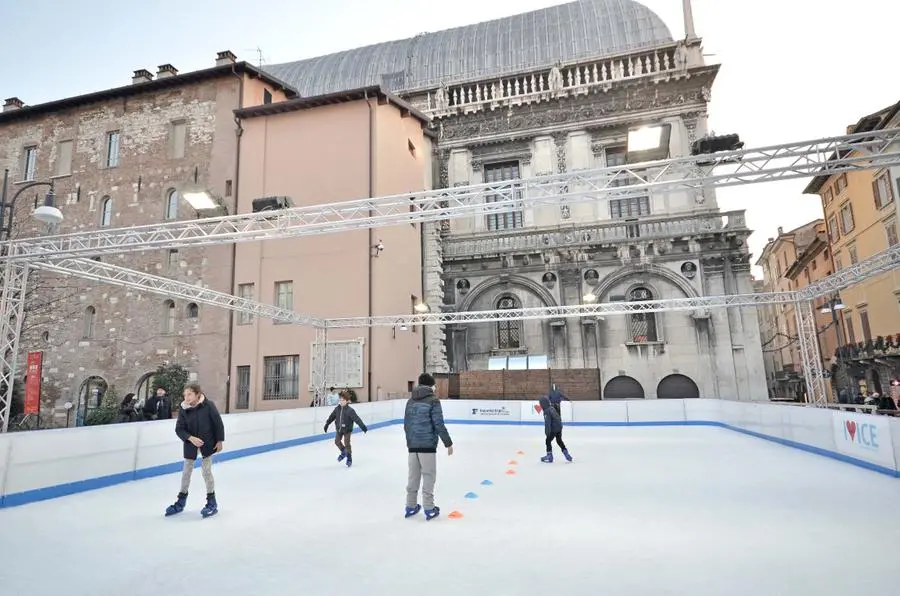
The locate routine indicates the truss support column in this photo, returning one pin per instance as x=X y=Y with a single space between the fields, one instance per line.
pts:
x=320 y=360
x=12 y=310
x=811 y=358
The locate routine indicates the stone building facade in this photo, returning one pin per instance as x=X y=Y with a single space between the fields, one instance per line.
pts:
x=560 y=95
x=119 y=158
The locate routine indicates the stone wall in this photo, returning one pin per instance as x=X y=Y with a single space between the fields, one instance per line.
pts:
x=128 y=339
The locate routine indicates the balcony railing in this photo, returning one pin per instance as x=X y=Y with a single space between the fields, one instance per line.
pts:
x=530 y=240
x=571 y=79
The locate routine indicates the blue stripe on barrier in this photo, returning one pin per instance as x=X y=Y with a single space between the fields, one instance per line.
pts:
x=71 y=488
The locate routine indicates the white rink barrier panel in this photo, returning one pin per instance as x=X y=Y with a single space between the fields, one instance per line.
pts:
x=40 y=465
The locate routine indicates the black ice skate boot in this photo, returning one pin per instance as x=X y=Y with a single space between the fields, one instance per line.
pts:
x=178 y=505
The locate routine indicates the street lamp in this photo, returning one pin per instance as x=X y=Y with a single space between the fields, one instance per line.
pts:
x=833 y=305
x=47 y=213
x=199 y=198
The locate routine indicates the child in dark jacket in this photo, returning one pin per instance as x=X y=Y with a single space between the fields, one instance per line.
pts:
x=553 y=428
x=201 y=429
x=423 y=423
x=343 y=417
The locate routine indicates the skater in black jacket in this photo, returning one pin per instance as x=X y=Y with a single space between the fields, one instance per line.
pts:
x=201 y=429
x=553 y=428
x=343 y=417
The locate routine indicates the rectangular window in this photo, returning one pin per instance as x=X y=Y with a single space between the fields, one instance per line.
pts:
x=864 y=324
x=840 y=184
x=228 y=188
x=284 y=296
x=828 y=196
x=630 y=207
x=847 y=223
x=267 y=97
x=63 y=166
x=282 y=378
x=112 y=149
x=838 y=262
x=851 y=252
x=851 y=333
x=245 y=291
x=243 y=388
x=502 y=172
x=172 y=260
x=884 y=195
x=178 y=139
x=29 y=163
x=834 y=234
x=890 y=229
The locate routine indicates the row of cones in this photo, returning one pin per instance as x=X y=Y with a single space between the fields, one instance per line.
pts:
x=509 y=472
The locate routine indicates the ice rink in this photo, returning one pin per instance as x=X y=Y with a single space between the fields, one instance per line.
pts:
x=641 y=511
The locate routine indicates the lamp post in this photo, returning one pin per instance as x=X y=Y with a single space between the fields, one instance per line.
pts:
x=47 y=213
x=832 y=305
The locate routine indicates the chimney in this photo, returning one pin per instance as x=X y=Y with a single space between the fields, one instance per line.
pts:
x=226 y=57
x=141 y=76
x=13 y=103
x=780 y=230
x=166 y=70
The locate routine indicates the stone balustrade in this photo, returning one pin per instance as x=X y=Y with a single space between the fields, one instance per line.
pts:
x=566 y=80
x=531 y=240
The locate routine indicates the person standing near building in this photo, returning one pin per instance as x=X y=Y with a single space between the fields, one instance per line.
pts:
x=202 y=431
x=159 y=406
x=423 y=424
x=344 y=417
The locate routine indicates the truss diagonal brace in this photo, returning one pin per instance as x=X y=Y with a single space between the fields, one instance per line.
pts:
x=154 y=284
x=12 y=310
x=825 y=156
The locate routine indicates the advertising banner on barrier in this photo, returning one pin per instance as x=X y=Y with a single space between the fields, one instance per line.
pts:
x=864 y=437
x=491 y=411
x=34 y=371
x=531 y=411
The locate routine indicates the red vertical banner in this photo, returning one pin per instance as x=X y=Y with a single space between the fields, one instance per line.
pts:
x=33 y=382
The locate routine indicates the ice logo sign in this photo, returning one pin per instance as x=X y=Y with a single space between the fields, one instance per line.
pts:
x=862 y=434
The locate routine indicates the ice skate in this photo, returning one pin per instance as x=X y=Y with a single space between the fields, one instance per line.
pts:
x=567 y=456
x=178 y=505
x=349 y=460
x=211 y=507
x=430 y=514
x=411 y=511
x=548 y=459
x=342 y=455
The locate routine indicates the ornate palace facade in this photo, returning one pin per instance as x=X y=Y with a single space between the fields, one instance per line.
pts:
x=552 y=91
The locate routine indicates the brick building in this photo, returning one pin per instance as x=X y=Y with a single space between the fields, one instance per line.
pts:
x=120 y=158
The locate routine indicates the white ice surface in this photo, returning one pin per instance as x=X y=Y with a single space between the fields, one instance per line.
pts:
x=642 y=511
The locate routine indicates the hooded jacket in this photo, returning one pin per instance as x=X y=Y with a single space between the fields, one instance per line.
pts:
x=552 y=420
x=202 y=421
x=423 y=422
x=343 y=418
x=556 y=399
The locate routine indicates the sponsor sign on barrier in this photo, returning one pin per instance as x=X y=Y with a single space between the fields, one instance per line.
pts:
x=531 y=411
x=502 y=412
x=864 y=437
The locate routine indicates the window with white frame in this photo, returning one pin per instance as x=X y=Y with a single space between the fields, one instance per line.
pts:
x=106 y=211
x=282 y=377
x=642 y=324
x=847 y=223
x=502 y=172
x=629 y=208
x=284 y=296
x=112 y=149
x=29 y=163
x=245 y=291
x=172 y=197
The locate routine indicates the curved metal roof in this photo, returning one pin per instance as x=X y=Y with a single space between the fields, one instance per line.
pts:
x=536 y=39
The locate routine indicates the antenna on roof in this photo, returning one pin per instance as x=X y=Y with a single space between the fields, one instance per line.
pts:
x=260 y=59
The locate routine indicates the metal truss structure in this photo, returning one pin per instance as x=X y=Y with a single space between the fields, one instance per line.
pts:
x=826 y=156
x=747 y=166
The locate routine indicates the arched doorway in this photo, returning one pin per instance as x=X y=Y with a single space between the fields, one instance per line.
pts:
x=144 y=387
x=90 y=396
x=623 y=387
x=677 y=387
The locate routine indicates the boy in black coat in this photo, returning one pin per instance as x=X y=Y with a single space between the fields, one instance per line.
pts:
x=201 y=429
x=553 y=428
x=343 y=417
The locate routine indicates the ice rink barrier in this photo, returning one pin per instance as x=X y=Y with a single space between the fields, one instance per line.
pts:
x=41 y=465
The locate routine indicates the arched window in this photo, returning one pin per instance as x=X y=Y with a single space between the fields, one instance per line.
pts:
x=105 y=211
x=90 y=313
x=168 y=321
x=172 y=198
x=193 y=311
x=642 y=324
x=509 y=333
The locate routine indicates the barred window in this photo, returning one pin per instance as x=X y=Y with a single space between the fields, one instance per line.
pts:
x=282 y=379
x=509 y=333
x=243 y=387
x=630 y=207
x=642 y=324
x=502 y=172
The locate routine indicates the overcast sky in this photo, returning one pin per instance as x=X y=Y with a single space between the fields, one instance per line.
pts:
x=791 y=69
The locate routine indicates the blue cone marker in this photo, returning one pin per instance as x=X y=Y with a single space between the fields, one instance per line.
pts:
x=486 y=483
x=471 y=496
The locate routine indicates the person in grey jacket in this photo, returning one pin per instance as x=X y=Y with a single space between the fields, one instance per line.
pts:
x=423 y=423
x=553 y=428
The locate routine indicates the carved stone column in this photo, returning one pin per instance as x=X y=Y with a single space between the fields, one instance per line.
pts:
x=560 y=139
